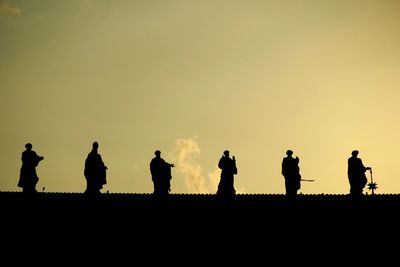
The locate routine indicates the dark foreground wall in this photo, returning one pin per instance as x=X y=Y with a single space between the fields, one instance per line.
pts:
x=195 y=228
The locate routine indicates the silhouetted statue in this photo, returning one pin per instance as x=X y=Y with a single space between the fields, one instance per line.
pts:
x=228 y=168
x=356 y=174
x=95 y=171
x=28 y=177
x=161 y=174
x=291 y=173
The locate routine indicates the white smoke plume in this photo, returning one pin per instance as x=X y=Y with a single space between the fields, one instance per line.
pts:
x=9 y=10
x=186 y=153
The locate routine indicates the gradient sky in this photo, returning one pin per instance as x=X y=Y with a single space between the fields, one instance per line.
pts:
x=193 y=78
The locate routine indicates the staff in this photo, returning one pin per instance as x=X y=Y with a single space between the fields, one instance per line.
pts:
x=372 y=185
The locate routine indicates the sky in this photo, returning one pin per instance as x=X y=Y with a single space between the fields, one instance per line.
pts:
x=194 y=78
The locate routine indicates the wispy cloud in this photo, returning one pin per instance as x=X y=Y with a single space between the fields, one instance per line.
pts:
x=9 y=10
x=186 y=155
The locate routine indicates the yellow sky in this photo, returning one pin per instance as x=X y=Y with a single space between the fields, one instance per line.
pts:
x=193 y=78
